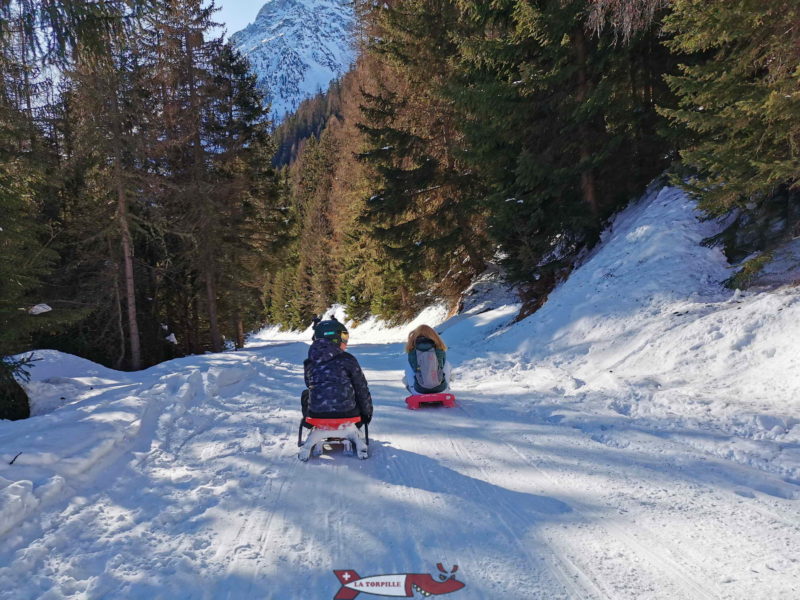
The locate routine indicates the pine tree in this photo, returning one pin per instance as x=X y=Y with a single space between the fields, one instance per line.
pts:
x=554 y=116
x=180 y=62
x=24 y=262
x=425 y=209
x=111 y=129
x=247 y=194
x=25 y=256
x=308 y=262
x=738 y=97
x=151 y=172
x=308 y=120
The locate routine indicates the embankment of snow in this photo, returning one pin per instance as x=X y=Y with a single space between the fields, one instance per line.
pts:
x=488 y=305
x=87 y=415
x=370 y=331
x=644 y=335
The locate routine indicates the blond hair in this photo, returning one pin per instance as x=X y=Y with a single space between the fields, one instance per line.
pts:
x=428 y=332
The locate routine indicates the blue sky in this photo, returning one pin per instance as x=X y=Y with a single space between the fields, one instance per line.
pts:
x=238 y=14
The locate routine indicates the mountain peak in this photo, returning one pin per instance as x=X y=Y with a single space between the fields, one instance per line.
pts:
x=296 y=47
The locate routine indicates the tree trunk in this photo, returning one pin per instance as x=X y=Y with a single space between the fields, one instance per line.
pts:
x=211 y=299
x=130 y=285
x=14 y=403
x=127 y=245
x=195 y=325
x=193 y=40
x=120 y=361
x=588 y=183
x=239 y=329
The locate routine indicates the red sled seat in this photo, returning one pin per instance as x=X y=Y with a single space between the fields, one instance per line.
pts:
x=442 y=398
x=331 y=424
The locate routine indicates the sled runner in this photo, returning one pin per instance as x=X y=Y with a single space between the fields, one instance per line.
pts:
x=440 y=399
x=332 y=431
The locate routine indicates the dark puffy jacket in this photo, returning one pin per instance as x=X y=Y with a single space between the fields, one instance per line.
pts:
x=335 y=382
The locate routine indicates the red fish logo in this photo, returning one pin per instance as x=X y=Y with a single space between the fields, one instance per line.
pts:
x=400 y=585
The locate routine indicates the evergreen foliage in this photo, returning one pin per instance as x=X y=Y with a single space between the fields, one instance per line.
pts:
x=308 y=120
x=26 y=255
x=739 y=97
x=150 y=171
x=426 y=208
x=146 y=193
x=560 y=123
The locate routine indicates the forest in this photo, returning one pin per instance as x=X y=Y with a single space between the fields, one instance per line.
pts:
x=150 y=208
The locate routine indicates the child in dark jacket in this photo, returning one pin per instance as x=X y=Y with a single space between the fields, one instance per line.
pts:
x=336 y=384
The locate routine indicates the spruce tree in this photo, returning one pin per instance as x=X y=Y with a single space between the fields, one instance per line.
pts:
x=112 y=128
x=426 y=208
x=179 y=58
x=738 y=97
x=556 y=120
x=247 y=191
x=24 y=262
x=26 y=257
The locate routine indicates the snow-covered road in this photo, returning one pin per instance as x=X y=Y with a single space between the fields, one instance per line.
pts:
x=209 y=501
x=615 y=460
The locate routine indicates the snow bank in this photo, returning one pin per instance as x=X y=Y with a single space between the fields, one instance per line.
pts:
x=40 y=457
x=87 y=416
x=371 y=331
x=60 y=379
x=488 y=304
x=375 y=331
x=644 y=334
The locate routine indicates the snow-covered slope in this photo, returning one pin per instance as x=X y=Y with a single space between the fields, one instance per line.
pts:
x=296 y=47
x=637 y=438
x=644 y=331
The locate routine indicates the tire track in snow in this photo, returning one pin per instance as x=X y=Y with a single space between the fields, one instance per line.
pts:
x=674 y=572
x=451 y=518
x=505 y=513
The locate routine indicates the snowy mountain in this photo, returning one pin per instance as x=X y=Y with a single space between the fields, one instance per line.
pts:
x=296 y=47
x=636 y=438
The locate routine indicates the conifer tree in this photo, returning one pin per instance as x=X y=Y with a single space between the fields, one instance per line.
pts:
x=308 y=120
x=305 y=285
x=25 y=260
x=181 y=82
x=425 y=209
x=556 y=119
x=25 y=255
x=154 y=176
x=111 y=130
x=247 y=194
x=738 y=97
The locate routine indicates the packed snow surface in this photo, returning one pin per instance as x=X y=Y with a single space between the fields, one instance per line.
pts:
x=636 y=438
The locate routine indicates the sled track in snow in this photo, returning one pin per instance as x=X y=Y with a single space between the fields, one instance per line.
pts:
x=264 y=524
x=579 y=582
x=660 y=560
x=576 y=581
